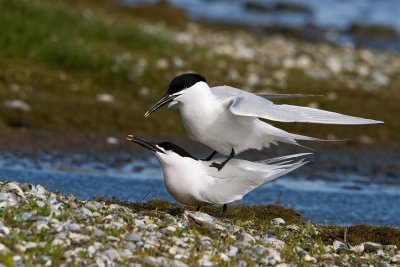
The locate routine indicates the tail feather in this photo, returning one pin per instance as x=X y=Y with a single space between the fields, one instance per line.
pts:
x=273 y=135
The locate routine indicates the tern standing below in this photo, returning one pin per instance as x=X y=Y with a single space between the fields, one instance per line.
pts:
x=191 y=182
x=226 y=119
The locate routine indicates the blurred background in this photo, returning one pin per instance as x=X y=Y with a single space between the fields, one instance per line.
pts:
x=77 y=76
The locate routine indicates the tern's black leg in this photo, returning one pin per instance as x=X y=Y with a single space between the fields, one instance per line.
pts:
x=219 y=166
x=210 y=157
x=224 y=210
x=198 y=208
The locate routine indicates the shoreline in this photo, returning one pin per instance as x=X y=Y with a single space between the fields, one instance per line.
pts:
x=41 y=227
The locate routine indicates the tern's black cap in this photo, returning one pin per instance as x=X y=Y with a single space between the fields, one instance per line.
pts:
x=178 y=150
x=184 y=81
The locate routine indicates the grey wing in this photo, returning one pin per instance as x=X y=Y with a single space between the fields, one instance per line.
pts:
x=226 y=91
x=255 y=106
x=282 y=96
x=241 y=177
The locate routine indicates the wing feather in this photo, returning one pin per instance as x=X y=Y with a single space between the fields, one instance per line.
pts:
x=242 y=176
x=248 y=104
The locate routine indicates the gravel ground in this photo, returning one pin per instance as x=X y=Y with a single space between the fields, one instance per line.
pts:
x=38 y=227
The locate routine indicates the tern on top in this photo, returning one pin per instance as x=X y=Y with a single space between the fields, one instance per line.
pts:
x=226 y=119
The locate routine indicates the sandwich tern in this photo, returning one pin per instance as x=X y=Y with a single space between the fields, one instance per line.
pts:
x=191 y=182
x=226 y=119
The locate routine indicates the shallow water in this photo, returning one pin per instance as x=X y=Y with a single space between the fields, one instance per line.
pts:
x=334 y=16
x=339 y=197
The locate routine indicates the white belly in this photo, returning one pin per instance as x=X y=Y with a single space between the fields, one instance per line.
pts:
x=183 y=186
x=221 y=130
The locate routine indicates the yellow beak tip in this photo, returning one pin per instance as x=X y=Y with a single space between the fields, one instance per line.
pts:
x=146 y=114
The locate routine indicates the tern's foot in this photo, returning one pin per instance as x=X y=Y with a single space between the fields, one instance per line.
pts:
x=219 y=166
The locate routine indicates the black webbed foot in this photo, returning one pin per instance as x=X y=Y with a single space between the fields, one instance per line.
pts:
x=219 y=166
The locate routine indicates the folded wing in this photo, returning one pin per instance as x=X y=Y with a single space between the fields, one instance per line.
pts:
x=243 y=176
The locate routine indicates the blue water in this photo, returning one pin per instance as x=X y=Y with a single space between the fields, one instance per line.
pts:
x=334 y=16
x=344 y=198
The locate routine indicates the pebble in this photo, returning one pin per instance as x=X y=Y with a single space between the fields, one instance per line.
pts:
x=164 y=240
x=132 y=237
x=245 y=237
x=17 y=104
x=30 y=245
x=326 y=257
x=99 y=233
x=203 y=219
x=112 y=254
x=277 y=221
x=259 y=250
x=73 y=227
x=372 y=247
x=105 y=98
x=338 y=246
x=3 y=248
x=4 y=230
x=308 y=258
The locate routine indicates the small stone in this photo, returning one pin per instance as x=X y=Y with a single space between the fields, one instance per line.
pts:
x=99 y=233
x=112 y=254
x=171 y=229
x=153 y=261
x=26 y=187
x=338 y=246
x=269 y=233
x=17 y=258
x=4 y=230
x=73 y=227
x=259 y=250
x=13 y=187
x=42 y=225
x=203 y=219
x=57 y=242
x=245 y=237
x=292 y=228
x=78 y=238
x=112 y=140
x=233 y=251
x=91 y=250
x=358 y=248
x=106 y=98
x=20 y=248
x=277 y=221
x=162 y=63
x=224 y=257
x=90 y=206
x=326 y=257
x=30 y=245
x=16 y=104
x=132 y=237
x=112 y=238
x=372 y=247
x=308 y=258
x=3 y=248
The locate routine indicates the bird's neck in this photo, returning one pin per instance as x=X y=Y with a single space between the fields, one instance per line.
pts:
x=199 y=96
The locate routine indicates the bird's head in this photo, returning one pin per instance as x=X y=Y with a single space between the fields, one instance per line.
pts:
x=179 y=86
x=162 y=150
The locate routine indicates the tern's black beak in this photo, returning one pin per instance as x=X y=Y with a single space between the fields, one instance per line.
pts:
x=145 y=143
x=164 y=100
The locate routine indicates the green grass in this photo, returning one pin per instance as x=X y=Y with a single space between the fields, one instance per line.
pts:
x=63 y=53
